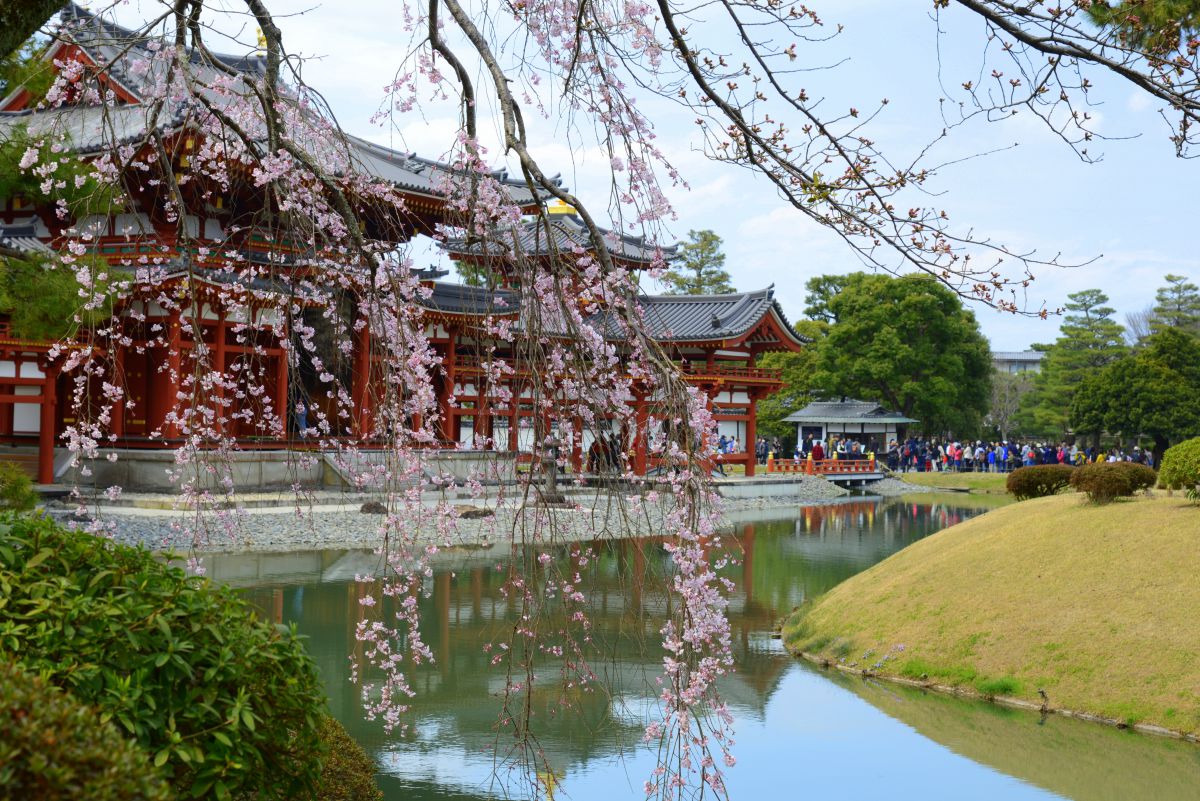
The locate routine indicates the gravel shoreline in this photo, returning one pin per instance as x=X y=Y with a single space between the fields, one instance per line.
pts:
x=275 y=523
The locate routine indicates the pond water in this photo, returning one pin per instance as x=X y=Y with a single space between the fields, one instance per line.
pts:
x=800 y=731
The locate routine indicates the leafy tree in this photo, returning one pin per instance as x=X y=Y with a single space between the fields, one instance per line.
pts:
x=24 y=67
x=1088 y=340
x=701 y=267
x=821 y=290
x=799 y=384
x=41 y=297
x=1154 y=392
x=1176 y=305
x=908 y=343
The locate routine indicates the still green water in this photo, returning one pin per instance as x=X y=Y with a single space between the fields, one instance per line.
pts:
x=801 y=732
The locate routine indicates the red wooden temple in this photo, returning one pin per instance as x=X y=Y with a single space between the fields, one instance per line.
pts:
x=715 y=340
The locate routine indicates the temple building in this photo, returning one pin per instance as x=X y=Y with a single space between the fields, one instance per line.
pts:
x=714 y=340
x=869 y=423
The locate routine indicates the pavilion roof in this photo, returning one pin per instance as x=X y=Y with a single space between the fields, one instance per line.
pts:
x=91 y=129
x=459 y=299
x=557 y=234
x=846 y=410
x=708 y=318
x=22 y=238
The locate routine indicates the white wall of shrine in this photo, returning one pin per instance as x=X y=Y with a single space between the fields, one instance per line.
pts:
x=26 y=416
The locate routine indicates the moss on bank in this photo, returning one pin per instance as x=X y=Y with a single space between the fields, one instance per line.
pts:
x=1097 y=606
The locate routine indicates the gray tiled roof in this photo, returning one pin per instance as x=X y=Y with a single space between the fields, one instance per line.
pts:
x=1017 y=356
x=22 y=238
x=559 y=233
x=846 y=411
x=111 y=44
x=682 y=318
x=424 y=176
x=90 y=129
x=461 y=299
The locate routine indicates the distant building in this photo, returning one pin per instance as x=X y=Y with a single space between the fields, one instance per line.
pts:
x=847 y=418
x=1017 y=361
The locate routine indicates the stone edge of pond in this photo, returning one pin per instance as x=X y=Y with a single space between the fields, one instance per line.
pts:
x=1001 y=700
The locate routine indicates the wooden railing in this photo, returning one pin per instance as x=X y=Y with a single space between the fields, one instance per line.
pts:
x=467 y=365
x=820 y=467
x=725 y=371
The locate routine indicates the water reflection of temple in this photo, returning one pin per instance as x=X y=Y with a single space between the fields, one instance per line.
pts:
x=781 y=564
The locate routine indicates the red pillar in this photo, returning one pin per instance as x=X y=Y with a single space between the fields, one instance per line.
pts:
x=640 y=445
x=752 y=436
x=219 y=363
x=448 y=427
x=117 y=424
x=281 y=391
x=577 y=448
x=6 y=409
x=360 y=380
x=174 y=372
x=514 y=419
x=46 y=425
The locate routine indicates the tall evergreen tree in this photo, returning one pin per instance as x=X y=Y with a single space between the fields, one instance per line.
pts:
x=700 y=269
x=907 y=343
x=821 y=290
x=1176 y=305
x=1154 y=392
x=1088 y=340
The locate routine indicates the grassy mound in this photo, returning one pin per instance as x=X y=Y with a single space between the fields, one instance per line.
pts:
x=986 y=483
x=1096 y=605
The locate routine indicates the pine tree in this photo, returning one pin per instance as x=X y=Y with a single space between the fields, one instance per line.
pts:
x=1176 y=305
x=1088 y=340
x=701 y=267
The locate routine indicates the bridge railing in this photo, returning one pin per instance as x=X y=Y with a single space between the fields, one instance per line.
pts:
x=816 y=467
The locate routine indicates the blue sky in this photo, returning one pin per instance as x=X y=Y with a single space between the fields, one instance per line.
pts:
x=1129 y=215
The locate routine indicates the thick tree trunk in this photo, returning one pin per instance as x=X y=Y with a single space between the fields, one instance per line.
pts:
x=1160 y=447
x=20 y=19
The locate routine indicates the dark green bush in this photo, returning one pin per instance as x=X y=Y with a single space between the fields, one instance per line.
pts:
x=225 y=704
x=1181 y=468
x=16 y=488
x=1039 y=480
x=53 y=748
x=1108 y=481
x=347 y=773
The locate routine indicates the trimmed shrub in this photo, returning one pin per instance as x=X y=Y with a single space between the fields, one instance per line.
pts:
x=16 y=488
x=347 y=773
x=225 y=704
x=1181 y=468
x=1108 y=481
x=54 y=748
x=1039 y=480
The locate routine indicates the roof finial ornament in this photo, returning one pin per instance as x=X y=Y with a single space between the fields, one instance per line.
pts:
x=262 y=40
x=716 y=320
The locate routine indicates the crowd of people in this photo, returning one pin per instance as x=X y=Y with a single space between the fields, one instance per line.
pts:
x=928 y=455
x=921 y=454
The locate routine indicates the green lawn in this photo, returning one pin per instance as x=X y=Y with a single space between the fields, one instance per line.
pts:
x=1094 y=604
x=991 y=483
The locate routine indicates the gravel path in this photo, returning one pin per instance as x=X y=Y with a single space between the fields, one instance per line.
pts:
x=276 y=522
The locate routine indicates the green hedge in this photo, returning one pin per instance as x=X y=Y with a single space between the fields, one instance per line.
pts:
x=225 y=704
x=16 y=488
x=1038 y=481
x=347 y=773
x=53 y=748
x=1106 y=482
x=1181 y=468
